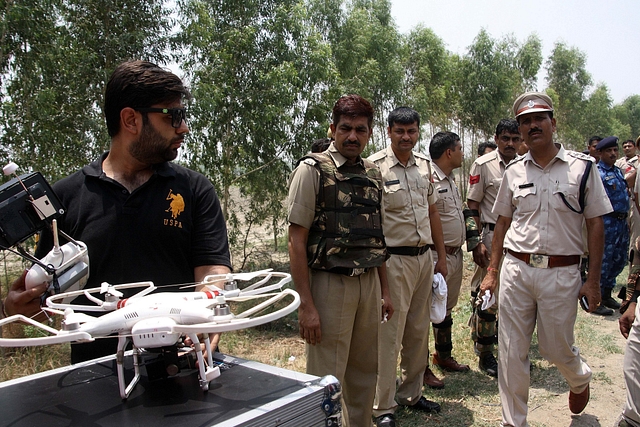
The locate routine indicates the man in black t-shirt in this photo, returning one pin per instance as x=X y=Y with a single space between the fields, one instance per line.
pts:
x=141 y=216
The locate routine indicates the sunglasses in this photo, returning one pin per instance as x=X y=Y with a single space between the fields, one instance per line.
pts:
x=177 y=114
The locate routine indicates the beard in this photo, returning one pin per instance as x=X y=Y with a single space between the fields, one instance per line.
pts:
x=152 y=148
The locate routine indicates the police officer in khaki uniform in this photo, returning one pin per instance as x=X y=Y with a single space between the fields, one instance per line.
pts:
x=630 y=329
x=337 y=253
x=446 y=155
x=542 y=204
x=485 y=177
x=413 y=232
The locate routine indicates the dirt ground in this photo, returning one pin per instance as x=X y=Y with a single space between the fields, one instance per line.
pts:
x=549 y=408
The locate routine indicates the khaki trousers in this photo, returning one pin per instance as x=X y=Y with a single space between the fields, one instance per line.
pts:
x=349 y=309
x=547 y=298
x=406 y=333
x=631 y=368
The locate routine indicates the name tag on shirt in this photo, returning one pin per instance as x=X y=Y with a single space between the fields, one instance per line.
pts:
x=526 y=185
x=444 y=190
x=395 y=181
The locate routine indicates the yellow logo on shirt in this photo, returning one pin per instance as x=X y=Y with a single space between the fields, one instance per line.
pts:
x=176 y=207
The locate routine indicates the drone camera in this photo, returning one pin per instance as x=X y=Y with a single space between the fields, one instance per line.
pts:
x=26 y=203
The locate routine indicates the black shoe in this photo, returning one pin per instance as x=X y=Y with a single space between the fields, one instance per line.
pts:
x=489 y=365
x=610 y=302
x=386 y=420
x=603 y=311
x=425 y=405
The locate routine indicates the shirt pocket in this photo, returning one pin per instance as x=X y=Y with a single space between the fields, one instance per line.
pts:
x=568 y=192
x=395 y=195
x=420 y=193
x=526 y=199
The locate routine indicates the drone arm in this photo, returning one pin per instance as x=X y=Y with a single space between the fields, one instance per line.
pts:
x=56 y=338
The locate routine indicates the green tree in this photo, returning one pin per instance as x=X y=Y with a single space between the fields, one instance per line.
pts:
x=430 y=77
x=51 y=112
x=260 y=80
x=367 y=56
x=569 y=80
x=628 y=114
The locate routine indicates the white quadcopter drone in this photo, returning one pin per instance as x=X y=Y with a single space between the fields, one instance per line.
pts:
x=148 y=320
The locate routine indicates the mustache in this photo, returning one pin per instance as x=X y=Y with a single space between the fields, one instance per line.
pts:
x=356 y=143
x=535 y=130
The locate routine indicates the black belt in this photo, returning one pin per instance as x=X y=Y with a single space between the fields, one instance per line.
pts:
x=348 y=271
x=490 y=225
x=618 y=215
x=450 y=250
x=407 y=250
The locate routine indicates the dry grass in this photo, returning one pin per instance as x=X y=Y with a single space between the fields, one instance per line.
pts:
x=469 y=399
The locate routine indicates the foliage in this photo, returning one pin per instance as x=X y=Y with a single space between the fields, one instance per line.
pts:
x=56 y=58
x=260 y=81
x=367 y=56
x=265 y=75
x=570 y=81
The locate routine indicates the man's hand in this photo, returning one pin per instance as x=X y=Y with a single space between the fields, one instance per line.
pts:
x=387 y=308
x=23 y=301
x=591 y=290
x=627 y=319
x=441 y=267
x=481 y=255
x=309 y=323
x=489 y=283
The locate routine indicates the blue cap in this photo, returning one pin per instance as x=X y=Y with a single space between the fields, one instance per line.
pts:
x=608 y=142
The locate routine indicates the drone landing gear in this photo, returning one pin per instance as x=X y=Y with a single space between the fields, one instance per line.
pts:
x=125 y=390
x=208 y=372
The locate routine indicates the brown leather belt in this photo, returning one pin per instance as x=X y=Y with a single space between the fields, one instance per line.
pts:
x=407 y=250
x=546 y=261
x=450 y=250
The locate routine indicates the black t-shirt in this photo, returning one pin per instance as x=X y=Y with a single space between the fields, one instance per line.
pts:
x=160 y=232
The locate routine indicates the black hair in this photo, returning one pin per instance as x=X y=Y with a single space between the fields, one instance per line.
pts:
x=507 y=125
x=441 y=142
x=320 y=145
x=403 y=116
x=484 y=145
x=139 y=84
x=593 y=138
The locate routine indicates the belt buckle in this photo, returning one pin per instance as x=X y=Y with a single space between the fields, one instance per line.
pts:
x=539 y=261
x=357 y=271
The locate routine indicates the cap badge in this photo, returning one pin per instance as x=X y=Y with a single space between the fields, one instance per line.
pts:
x=530 y=104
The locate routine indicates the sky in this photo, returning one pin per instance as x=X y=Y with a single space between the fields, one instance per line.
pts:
x=608 y=32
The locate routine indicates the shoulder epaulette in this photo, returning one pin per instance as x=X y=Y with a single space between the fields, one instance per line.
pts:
x=486 y=158
x=377 y=156
x=309 y=161
x=581 y=156
x=421 y=156
x=514 y=161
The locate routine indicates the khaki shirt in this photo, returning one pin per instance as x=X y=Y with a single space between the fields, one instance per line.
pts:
x=449 y=206
x=407 y=192
x=626 y=165
x=530 y=196
x=485 y=178
x=303 y=189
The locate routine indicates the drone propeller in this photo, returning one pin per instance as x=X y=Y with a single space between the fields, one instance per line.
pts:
x=227 y=277
x=106 y=288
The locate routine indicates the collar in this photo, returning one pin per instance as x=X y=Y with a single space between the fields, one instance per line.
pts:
x=440 y=174
x=94 y=169
x=338 y=158
x=394 y=159
x=561 y=155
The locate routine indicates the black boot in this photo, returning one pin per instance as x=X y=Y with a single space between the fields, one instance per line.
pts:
x=608 y=300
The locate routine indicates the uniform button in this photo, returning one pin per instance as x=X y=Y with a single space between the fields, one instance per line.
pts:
x=544 y=191
x=124 y=191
